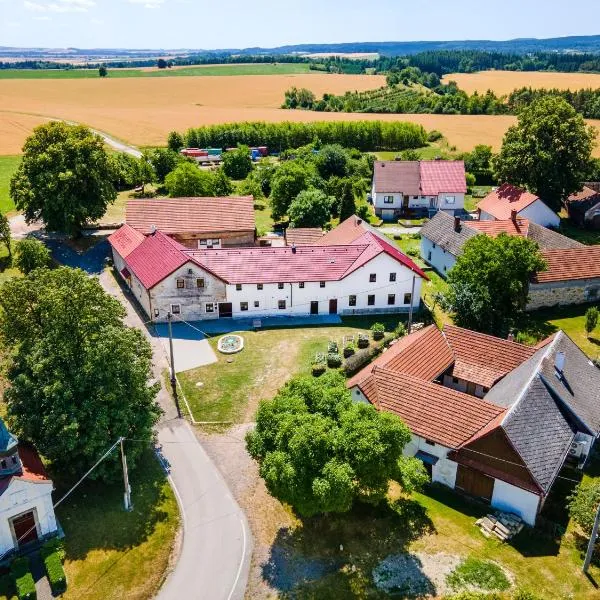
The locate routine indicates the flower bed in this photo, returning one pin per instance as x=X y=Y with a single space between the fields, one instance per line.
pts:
x=230 y=344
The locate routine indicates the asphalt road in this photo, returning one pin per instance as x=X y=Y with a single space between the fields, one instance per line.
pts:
x=216 y=549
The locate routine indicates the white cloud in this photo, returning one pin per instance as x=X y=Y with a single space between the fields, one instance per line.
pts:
x=60 y=6
x=43 y=18
x=148 y=3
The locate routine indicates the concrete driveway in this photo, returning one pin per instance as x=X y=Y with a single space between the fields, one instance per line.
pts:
x=190 y=346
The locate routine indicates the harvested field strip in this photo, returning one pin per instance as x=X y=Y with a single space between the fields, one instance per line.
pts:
x=504 y=82
x=191 y=71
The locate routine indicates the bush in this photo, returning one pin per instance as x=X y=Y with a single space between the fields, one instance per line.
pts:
x=31 y=254
x=25 y=586
x=363 y=340
x=359 y=360
x=318 y=369
x=583 y=503
x=53 y=554
x=482 y=574
x=378 y=331
x=349 y=350
x=413 y=252
x=332 y=347
x=434 y=135
x=400 y=331
x=334 y=360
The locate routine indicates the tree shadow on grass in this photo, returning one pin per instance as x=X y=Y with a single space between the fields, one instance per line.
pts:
x=333 y=556
x=93 y=518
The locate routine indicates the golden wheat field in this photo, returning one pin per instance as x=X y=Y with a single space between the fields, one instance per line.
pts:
x=504 y=82
x=142 y=111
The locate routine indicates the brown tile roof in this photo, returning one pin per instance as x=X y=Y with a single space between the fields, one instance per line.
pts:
x=192 y=215
x=570 y=263
x=550 y=240
x=505 y=199
x=585 y=194
x=484 y=359
x=303 y=236
x=346 y=232
x=424 y=354
x=430 y=410
x=494 y=228
x=397 y=176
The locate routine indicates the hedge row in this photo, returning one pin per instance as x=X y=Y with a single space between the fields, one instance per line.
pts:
x=363 y=135
x=52 y=554
x=24 y=584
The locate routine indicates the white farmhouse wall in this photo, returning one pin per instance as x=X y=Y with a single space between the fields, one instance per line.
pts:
x=444 y=471
x=21 y=497
x=509 y=498
x=458 y=204
x=118 y=261
x=379 y=197
x=540 y=213
x=441 y=260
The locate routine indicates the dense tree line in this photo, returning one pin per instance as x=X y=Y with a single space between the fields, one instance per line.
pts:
x=363 y=135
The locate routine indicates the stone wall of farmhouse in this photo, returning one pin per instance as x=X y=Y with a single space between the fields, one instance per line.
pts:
x=563 y=292
x=228 y=239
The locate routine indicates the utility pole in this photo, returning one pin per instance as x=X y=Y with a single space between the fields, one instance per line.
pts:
x=173 y=378
x=410 y=310
x=127 y=495
x=592 y=542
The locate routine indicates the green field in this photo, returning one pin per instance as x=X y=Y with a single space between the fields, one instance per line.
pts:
x=8 y=165
x=220 y=70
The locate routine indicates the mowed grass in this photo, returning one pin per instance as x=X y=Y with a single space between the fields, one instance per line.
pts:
x=114 y=554
x=8 y=166
x=191 y=71
x=232 y=387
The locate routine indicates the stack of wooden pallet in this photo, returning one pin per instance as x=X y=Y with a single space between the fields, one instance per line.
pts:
x=501 y=525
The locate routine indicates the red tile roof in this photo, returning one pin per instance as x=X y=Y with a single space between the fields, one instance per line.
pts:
x=33 y=468
x=484 y=359
x=494 y=228
x=424 y=354
x=505 y=199
x=440 y=176
x=156 y=258
x=430 y=410
x=397 y=176
x=346 y=232
x=303 y=236
x=125 y=240
x=187 y=215
x=570 y=263
x=584 y=194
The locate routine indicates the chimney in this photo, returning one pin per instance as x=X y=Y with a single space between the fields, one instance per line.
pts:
x=511 y=337
x=152 y=229
x=457 y=224
x=559 y=362
x=293 y=248
x=358 y=221
x=513 y=216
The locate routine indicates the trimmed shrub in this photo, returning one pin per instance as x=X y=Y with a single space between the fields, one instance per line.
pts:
x=388 y=338
x=318 y=369
x=332 y=347
x=400 y=331
x=349 y=350
x=363 y=340
x=359 y=360
x=24 y=584
x=53 y=554
x=378 y=331
x=334 y=360
x=434 y=135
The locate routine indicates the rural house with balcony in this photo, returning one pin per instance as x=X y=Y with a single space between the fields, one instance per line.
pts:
x=403 y=187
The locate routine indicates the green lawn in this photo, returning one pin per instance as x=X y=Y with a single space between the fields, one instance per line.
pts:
x=230 y=391
x=585 y=236
x=262 y=214
x=221 y=70
x=8 y=165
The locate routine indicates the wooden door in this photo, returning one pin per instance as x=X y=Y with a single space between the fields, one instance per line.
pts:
x=333 y=307
x=474 y=482
x=314 y=307
x=24 y=528
x=225 y=309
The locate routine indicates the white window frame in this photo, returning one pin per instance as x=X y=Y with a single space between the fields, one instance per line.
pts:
x=450 y=199
x=388 y=199
x=209 y=243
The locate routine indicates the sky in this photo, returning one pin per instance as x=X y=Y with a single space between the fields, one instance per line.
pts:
x=210 y=24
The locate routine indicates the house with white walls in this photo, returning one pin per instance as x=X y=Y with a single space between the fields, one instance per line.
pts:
x=405 y=187
x=443 y=237
x=500 y=203
x=26 y=507
x=489 y=417
x=365 y=275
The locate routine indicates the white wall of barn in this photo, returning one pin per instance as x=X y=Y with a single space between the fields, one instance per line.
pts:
x=540 y=213
x=509 y=498
x=441 y=260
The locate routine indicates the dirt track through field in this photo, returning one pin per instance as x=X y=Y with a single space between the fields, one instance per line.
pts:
x=143 y=111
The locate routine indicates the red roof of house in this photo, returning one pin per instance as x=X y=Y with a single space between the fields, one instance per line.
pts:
x=484 y=359
x=570 y=263
x=430 y=410
x=303 y=236
x=197 y=215
x=493 y=228
x=33 y=470
x=346 y=232
x=424 y=354
x=156 y=258
x=440 y=176
x=397 y=176
x=501 y=202
x=125 y=240
x=584 y=194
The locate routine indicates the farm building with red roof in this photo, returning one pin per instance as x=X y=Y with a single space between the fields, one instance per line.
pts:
x=490 y=417
x=366 y=274
x=402 y=188
x=508 y=201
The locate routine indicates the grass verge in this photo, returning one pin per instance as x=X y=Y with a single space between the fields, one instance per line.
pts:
x=8 y=166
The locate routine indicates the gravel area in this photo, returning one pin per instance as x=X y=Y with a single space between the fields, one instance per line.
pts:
x=417 y=575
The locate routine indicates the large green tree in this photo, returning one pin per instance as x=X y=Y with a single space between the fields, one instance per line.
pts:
x=287 y=182
x=311 y=208
x=489 y=284
x=318 y=451
x=332 y=160
x=548 y=151
x=6 y=235
x=79 y=378
x=65 y=177
x=31 y=254
x=347 y=201
x=164 y=160
x=237 y=163
x=188 y=180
